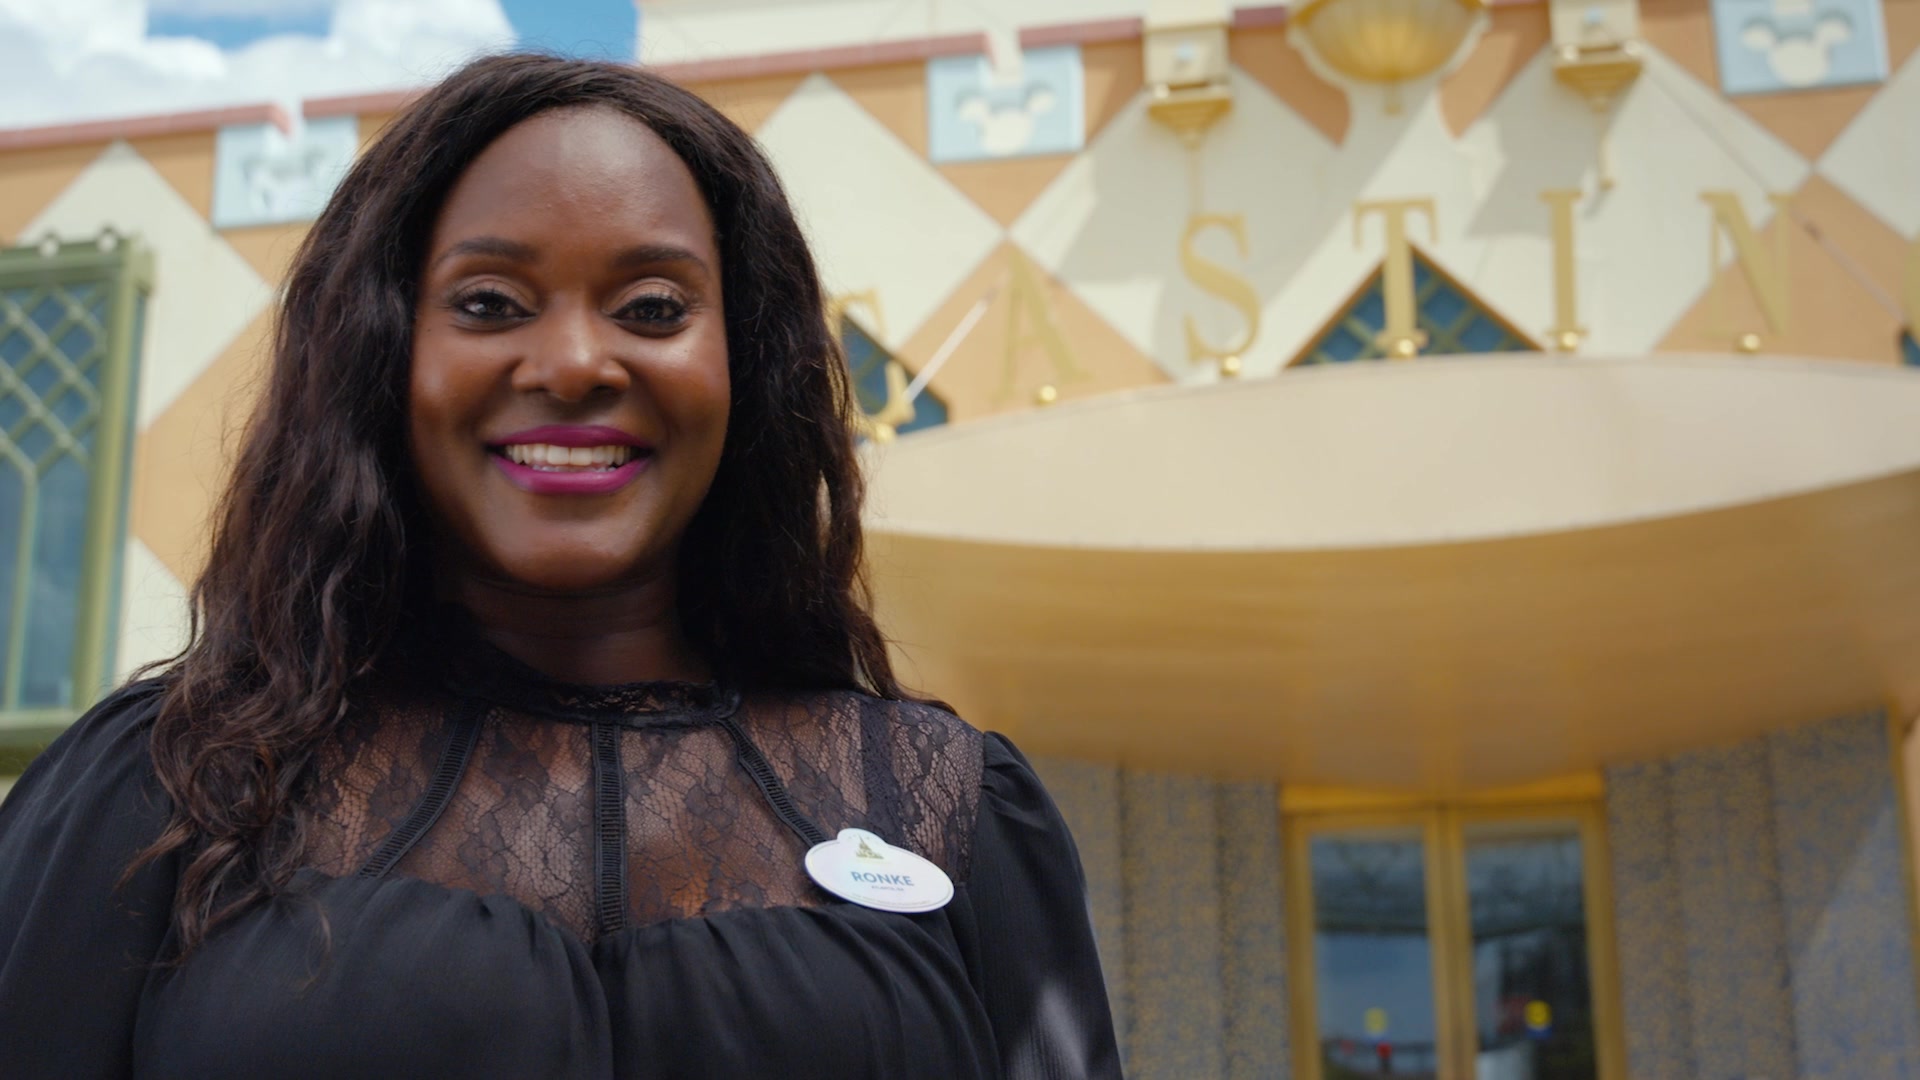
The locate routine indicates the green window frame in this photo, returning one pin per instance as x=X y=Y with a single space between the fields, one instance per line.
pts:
x=71 y=317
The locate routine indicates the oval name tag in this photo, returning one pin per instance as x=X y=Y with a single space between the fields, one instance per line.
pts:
x=861 y=867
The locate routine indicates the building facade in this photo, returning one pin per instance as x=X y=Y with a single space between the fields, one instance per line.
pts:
x=1433 y=483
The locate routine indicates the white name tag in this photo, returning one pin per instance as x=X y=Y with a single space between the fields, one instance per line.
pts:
x=865 y=869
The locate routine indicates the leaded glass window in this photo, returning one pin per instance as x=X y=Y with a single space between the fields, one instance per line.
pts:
x=1454 y=320
x=70 y=318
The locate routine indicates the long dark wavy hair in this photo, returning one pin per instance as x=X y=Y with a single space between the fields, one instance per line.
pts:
x=316 y=559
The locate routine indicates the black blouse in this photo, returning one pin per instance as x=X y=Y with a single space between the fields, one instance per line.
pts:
x=516 y=878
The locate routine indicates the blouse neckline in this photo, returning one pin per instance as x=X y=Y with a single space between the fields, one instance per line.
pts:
x=474 y=668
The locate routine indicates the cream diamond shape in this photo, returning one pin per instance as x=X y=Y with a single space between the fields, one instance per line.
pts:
x=1110 y=227
x=878 y=216
x=204 y=292
x=153 y=610
x=1877 y=159
x=1642 y=248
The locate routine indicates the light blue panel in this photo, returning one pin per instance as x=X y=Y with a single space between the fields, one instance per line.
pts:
x=1648 y=929
x=1254 y=951
x=1843 y=884
x=262 y=176
x=1170 y=829
x=1088 y=795
x=1766 y=46
x=974 y=116
x=1729 y=883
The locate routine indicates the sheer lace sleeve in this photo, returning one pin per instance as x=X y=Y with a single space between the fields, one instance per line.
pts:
x=76 y=946
x=1041 y=976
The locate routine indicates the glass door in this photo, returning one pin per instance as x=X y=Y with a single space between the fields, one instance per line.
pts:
x=1449 y=943
x=1373 y=958
x=1532 y=984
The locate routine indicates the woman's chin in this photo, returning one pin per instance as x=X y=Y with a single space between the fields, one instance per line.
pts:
x=559 y=574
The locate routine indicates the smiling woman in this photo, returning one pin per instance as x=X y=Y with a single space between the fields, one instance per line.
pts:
x=535 y=723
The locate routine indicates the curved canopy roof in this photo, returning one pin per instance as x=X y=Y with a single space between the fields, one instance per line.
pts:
x=1438 y=575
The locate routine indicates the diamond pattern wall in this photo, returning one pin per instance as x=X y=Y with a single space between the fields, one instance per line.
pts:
x=204 y=292
x=1111 y=227
x=879 y=216
x=1876 y=160
x=1100 y=234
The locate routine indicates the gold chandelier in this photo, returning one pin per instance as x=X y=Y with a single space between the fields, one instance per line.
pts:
x=1386 y=41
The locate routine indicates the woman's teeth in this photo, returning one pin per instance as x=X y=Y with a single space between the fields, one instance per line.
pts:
x=546 y=457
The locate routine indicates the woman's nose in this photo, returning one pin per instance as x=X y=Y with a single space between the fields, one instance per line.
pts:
x=573 y=354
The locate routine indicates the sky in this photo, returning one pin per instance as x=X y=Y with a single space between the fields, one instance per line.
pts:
x=63 y=61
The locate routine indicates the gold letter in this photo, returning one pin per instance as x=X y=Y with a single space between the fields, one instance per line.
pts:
x=895 y=413
x=1402 y=337
x=896 y=410
x=1223 y=283
x=1566 y=331
x=1769 y=279
x=837 y=306
x=1028 y=300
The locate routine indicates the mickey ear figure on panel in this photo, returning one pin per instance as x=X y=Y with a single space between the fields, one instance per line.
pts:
x=1774 y=46
x=1799 y=59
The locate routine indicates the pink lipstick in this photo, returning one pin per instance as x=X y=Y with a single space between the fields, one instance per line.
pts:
x=564 y=459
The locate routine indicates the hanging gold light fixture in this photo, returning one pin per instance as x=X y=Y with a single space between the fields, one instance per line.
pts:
x=1386 y=41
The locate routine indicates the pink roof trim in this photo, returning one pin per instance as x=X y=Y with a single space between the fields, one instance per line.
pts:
x=140 y=127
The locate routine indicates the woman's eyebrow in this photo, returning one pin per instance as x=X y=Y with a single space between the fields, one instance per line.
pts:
x=514 y=250
x=497 y=246
x=654 y=254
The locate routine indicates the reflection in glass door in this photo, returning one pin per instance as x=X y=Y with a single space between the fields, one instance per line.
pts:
x=1533 y=1002
x=1373 y=960
x=1452 y=943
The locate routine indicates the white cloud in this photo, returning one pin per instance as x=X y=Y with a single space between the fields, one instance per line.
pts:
x=261 y=8
x=88 y=59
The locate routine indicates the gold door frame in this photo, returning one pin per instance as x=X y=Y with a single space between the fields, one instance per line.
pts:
x=1442 y=826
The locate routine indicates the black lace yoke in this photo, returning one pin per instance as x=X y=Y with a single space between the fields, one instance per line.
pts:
x=611 y=807
x=512 y=878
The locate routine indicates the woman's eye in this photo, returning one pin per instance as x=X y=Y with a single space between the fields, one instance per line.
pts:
x=488 y=304
x=658 y=310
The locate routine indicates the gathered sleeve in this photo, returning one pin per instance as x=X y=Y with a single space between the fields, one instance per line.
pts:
x=76 y=945
x=1040 y=972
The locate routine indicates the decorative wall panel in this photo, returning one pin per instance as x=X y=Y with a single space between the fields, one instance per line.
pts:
x=264 y=176
x=1766 y=46
x=975 y=113
x=1764 y=922
x=1184 y=879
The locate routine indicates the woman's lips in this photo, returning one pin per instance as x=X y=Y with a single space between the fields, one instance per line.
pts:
x=571 y=481
x=570 y=459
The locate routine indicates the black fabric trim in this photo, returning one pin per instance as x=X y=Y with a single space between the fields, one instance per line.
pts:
x=609 y=831
x=761 y=771
x=446 y=779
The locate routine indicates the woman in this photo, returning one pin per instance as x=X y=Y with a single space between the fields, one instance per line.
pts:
x=532 y=684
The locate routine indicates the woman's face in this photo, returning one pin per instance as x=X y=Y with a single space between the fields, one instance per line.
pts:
x=569 y=386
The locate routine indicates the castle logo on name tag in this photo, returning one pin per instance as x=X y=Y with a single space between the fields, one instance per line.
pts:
x=861 y=867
